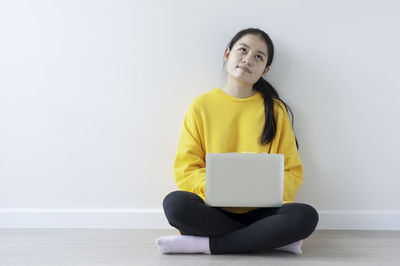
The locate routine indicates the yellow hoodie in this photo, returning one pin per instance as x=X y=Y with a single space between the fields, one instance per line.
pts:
x=219 y=123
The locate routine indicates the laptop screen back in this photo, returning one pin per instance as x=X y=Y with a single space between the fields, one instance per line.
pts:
x=244 y=179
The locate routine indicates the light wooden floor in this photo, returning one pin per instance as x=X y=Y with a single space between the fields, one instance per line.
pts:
x=137 y=247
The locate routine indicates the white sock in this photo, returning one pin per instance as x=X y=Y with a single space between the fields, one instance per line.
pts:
x=183 y=244
x=294 y=247
x=200 y=244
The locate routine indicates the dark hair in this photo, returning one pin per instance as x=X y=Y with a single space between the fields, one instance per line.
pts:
x=264 y=87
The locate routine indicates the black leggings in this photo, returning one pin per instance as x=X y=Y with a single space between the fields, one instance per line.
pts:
x=257 y=230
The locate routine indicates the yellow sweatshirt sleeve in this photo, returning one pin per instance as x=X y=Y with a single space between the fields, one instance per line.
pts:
x=285 y=143
x=189 y=163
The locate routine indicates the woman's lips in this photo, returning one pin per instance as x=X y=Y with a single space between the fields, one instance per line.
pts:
x=244 y=69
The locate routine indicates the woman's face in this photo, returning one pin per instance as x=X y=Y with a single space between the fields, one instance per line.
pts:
x=249 y=52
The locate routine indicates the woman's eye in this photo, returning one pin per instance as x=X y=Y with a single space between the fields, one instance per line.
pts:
x=260 y=57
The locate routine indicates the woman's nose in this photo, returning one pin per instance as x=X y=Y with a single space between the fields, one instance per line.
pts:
x=247 y=59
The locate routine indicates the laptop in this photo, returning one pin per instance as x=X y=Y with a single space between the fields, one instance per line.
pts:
x=244 y=179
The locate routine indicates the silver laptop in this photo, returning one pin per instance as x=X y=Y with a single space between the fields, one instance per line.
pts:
x=244 y=179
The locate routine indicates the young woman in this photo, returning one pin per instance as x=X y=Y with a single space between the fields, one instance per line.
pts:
x=246 y=114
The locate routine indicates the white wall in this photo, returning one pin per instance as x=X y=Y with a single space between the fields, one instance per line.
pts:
x=93 y=94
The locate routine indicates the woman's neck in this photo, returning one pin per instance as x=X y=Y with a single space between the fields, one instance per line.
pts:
x=237 y=89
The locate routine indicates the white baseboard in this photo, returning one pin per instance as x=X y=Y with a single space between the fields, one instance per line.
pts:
x=155 y=219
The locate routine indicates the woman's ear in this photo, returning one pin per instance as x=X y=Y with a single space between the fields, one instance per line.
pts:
x=265 y=71
x=226 y=54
